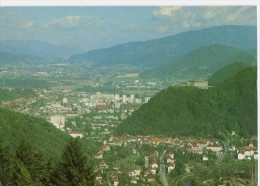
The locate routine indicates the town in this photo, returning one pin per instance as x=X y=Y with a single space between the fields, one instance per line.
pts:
x=75 y=106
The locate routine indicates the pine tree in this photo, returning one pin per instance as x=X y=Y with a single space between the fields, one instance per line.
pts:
x=6 y=162
x=73 y=168
x=31 y=163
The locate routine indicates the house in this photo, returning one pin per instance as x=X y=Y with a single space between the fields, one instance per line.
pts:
x=249 y=152
x=214 y=147
x=170 y=167
x=99 y=155
x=99 y=178
x=115 y=181
x=103 y=164
x=134 y=181
x=150 y=178
x=153 y=160
x=205 y=158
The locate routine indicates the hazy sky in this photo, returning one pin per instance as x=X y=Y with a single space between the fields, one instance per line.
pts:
x=98 y=27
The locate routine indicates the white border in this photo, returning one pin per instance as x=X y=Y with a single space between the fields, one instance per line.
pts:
x=128 y=2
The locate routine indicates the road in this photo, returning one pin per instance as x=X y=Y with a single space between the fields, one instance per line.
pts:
x=162 y=171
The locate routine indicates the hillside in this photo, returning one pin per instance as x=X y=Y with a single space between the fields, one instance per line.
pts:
x=226 y=73
x=42 y=135
x=165 y=50
x=202 y=62
x=178 y=111
x=8 y=58
x=37 y=49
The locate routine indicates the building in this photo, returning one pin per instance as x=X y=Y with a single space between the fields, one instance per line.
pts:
x=64 y=100
x=247 y=152
x=76 y=134
x=199 y=84
x=58 y=121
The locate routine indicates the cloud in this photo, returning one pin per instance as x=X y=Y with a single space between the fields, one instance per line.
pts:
x=76 y=22
x=184 y=18
x=67 y=21
x=166 y=11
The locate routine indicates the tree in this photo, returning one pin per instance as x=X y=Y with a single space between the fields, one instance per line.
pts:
x=73 y=169
x=30 y=166
x=6 y=162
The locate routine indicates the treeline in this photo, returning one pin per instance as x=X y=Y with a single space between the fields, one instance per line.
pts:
x=187 y=111
x=7 y=95
x=27 y=166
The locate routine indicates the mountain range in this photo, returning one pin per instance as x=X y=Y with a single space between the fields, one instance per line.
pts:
x=202 y=62
x=36 y=49
x=165 y=50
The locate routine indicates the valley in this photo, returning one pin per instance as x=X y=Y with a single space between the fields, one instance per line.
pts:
x=170 y=111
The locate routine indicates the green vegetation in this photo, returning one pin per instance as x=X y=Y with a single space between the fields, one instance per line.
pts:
x=231 y=172
x=7 y=95
x=189 y=111
x=202 y=62
x=27 y=166
x=26 y=83
x=226 y=73
x=41 y=134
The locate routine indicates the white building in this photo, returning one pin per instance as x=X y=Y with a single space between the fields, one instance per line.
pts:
x=64 y=100
x=76 y=134
x=58 y=121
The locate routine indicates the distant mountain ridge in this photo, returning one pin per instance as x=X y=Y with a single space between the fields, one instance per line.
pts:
x=38 y=49
x=202 y=62
x=161 y=51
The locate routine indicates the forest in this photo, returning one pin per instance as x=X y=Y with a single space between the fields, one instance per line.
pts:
x=190 y=111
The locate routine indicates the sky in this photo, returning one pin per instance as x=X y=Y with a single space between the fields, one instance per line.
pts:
x=100 y=27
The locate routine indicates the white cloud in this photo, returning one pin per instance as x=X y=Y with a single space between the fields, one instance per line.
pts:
x=67 y=21
x=183 y=18
x=166 y=11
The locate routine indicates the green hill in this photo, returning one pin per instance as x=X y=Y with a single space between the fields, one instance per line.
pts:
x=226 y=73
x=202 y=62
x=230 y=106
x=42 y=135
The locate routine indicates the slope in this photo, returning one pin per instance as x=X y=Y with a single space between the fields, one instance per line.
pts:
x=165 y=50
x=202 y=62
x=187 y=111
x=39 y=133
x=226 y=73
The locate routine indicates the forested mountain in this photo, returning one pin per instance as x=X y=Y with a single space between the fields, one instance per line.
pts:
x=37 y=49
x=187 y=111
x=41 y=134
x=166 y=50
x=226 y=73
x=8 y=58
x=202 y=62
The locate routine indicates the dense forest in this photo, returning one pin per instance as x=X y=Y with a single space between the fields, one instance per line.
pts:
x=42 y=135
x=27 y=166
x=226 y=73
x=182 y=111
